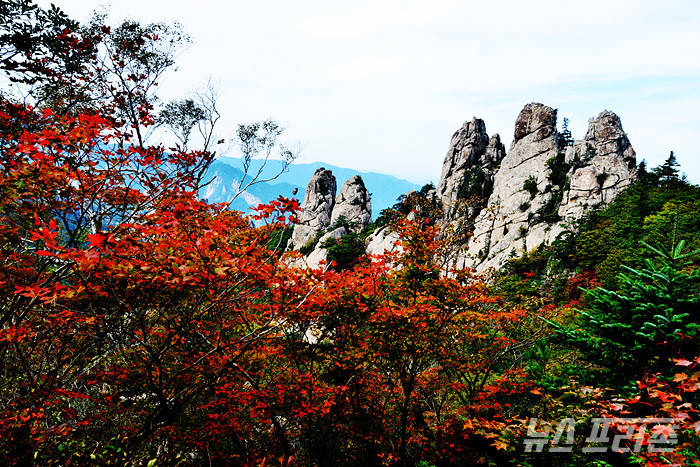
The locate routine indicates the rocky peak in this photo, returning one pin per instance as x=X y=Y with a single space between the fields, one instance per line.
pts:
x=321 y=210
x=316 y=209
x=606 y=135
x=469 y=166
x=320 y=194
x=543 y=185
x=515 y=201
x=602 y=164
x=537 y=120
x=353 y=203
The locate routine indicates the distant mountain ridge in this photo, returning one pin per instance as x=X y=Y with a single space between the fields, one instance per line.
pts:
x=226 y=173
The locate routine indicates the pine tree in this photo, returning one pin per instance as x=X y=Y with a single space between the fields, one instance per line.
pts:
x=653 y=318
x=668 y=171
x=565 y=138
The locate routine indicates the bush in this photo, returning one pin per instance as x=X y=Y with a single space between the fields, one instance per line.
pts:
x=530 y=186
x=345 y=251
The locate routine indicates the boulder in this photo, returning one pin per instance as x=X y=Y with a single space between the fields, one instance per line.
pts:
x=381 y=241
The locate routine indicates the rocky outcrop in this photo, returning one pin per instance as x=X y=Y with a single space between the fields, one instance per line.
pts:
x=321 y=212
x=313 y=260
x=317 y=208
x=522 y=188
x=353 y=203
x=512 y=202
x=544 y=184
x=381 y=241
x=469 y=168
x=604 y=163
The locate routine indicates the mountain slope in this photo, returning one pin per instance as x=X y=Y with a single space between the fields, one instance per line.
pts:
x=226 y=173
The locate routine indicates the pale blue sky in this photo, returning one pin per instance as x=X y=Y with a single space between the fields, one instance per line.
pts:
x=382 y=85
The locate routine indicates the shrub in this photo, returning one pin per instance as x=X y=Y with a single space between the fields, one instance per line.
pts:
x=530 y=186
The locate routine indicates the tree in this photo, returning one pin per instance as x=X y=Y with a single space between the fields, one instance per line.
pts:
x=40 y=46
x=140 y=323
x=564 y=138
x=181 y=117
x=407 y=353
x=258 y=140
x=668 y=171
x=117 y=334
x=651 y=320
x=120 y=289
x=133 y=59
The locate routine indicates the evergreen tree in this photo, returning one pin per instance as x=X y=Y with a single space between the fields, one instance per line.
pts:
x=653 y=318
x=565 y=138
x=668 y=171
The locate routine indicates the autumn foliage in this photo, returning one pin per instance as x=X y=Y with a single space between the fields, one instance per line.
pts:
x=141 y=325
x=140 y=322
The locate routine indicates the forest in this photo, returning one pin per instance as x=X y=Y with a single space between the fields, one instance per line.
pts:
x=144 y=326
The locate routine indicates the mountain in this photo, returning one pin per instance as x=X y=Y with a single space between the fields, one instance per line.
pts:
x=226 y=173
x=507 y=203
x=536 y=191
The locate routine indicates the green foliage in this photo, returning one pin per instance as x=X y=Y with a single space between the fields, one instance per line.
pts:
x=520 y=277
x=564 y=138
x=558 y=169
x=601 y=177
x=472 y=184
x=530 y=186
x=181 y=116
x=651 y=319
x=419 y=201
x=368 y=230
x=345 y=251
x=310 y=246
x=558 y=177
x=341 y=221
x=548 y=212
x=647 y=211
x=668 y=171
x=279 y=239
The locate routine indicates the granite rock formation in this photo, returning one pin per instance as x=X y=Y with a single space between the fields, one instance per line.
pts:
x=470 y=167
x=513 y=202
x=544 y=184
x=321 y=211
x=353 y=203
x=605 y=164
x=316 y=209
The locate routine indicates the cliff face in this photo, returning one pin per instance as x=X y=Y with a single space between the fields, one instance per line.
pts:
x=609 y=165
x=469 y=168
x=353 y=203
x=543 y=182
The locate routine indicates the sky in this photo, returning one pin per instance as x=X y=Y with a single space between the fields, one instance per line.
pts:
x=382 y=85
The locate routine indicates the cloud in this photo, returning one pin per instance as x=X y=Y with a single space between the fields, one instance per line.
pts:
x=381 y=85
